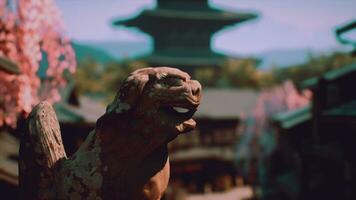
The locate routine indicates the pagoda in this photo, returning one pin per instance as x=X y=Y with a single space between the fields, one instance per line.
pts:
x=182 y=31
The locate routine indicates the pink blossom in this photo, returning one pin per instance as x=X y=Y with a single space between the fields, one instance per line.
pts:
x=33 y=28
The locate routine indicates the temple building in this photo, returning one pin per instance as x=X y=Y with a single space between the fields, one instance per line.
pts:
x=182 y=30
x=320 y=139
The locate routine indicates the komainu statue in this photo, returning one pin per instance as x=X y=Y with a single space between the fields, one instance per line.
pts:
x=125 y=156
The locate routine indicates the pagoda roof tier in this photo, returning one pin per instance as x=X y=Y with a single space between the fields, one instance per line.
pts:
x=211 y=15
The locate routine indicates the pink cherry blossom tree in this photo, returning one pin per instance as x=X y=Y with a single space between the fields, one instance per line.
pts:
x=259 y=141
x=30 y=29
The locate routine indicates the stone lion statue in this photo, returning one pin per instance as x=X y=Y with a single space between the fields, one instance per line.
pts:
x=125 y=156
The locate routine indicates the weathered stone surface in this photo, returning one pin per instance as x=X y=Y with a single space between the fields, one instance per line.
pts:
x=126 y=156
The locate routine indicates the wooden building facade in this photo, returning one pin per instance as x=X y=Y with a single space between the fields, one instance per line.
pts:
x=322 y=137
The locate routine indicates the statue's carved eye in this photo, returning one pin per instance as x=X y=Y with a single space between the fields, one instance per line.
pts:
x=172 y=81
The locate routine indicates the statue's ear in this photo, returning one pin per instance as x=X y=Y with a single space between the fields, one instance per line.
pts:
x=130 y=91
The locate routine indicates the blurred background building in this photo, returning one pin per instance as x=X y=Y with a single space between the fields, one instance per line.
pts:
x=182 y=32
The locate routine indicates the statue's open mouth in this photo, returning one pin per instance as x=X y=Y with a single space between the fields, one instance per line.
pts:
x=182 y=113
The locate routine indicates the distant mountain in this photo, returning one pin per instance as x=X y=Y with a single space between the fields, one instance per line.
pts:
x=121 y=49
x=283 y=57
x=105 y=51
x=83 y=51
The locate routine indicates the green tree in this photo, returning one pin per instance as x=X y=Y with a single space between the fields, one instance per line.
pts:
x=103 y=80
x=316 y=66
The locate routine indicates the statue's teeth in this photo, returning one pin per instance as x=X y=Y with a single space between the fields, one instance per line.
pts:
x=181 y=110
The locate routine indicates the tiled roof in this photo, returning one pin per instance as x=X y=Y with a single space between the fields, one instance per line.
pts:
x=216 y=104
x=226 y=104
x=329 y=76
x=88 y=111
x=9 y=149
x=8 y=66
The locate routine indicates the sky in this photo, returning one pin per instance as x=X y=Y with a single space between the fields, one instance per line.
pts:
x=282 y=24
